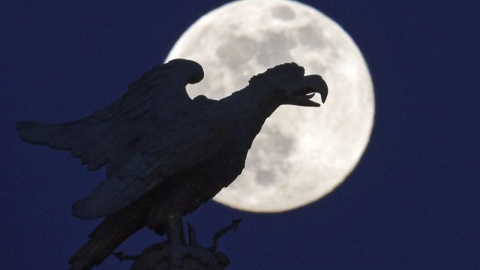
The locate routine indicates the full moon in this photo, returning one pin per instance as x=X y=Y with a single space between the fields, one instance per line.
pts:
x=302 y=153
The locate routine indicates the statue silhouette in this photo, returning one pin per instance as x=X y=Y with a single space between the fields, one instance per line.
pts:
x=165 y=153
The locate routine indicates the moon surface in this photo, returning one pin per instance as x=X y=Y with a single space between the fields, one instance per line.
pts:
x=302 y=153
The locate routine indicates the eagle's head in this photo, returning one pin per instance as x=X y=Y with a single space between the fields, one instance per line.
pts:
x=287 y=84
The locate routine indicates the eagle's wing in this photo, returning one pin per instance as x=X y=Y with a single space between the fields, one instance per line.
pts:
x=153 y=127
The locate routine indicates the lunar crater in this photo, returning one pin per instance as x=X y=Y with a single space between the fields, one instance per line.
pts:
x=264 y=178
x=274 y=49
x=283 y=13
x=309 y=36
x=237 y=50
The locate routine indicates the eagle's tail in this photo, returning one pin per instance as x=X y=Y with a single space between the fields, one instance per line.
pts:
x=107 y=236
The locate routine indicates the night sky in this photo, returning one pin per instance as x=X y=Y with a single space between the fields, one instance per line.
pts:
x=412 y=202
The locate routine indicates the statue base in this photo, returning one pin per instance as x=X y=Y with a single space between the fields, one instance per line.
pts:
x=175 y=253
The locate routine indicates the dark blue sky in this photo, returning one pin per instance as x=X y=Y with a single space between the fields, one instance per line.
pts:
x=412 y=203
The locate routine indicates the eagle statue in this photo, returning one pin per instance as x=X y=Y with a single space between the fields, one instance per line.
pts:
x=165 y=152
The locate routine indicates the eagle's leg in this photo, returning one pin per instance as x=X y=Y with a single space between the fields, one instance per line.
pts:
x=175 y=238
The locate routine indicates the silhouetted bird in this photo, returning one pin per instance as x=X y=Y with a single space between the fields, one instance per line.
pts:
x=164 y=151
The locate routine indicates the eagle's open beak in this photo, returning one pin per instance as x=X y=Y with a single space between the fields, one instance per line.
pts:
x=304 y=89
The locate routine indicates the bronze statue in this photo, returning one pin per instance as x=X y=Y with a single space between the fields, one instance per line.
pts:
x=165 y=153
